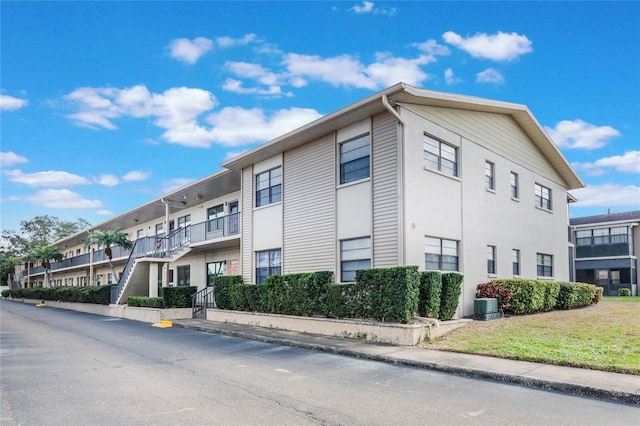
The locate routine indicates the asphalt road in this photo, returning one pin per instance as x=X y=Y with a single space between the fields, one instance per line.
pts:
x=67 y=368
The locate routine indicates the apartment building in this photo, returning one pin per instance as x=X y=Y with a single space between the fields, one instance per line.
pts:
x=606 y=250
x=406 y=176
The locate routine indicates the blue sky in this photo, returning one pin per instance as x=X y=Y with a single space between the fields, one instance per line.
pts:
x=107 y=105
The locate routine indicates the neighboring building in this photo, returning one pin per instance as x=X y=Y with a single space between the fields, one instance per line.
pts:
x=404 y=177
x=606 y=250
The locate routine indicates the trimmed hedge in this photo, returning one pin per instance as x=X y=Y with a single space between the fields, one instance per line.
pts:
x=624 y=292
x=451 y=288
x=529 y=296
x=145 y=302
x=297 y=294
x=575 y=295
x=98 y=294
x=224 y=290
x=430 y=291
x=178 y=297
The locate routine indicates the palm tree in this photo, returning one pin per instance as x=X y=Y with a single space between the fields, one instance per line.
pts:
x=8 y=264
x=46 y=254
x=108 y=239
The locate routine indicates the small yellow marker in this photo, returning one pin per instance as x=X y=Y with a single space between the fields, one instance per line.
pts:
x=41 y=304
x=163 y=324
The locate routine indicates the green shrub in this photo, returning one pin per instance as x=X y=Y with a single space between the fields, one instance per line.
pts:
x=296 y=294
x=552 y=289
x=223 y=288
x=93 y=294
x=145 y=302
x=495 y=290
x=430 y=291
x=451 y=287
x=178 y=297
x=388 y=294
x=624 y=292
x=527 y=296
x=575 y=295
x=341 y=300
x=6 y=293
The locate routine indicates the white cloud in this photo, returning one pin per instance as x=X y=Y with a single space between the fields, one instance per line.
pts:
x=104 y=212
x=433 y=48
x=580 y=134
x=48 y=178
x=347 y=71
x=450 y=78
x=135 y=176
x=9 y=103
x=629 y=162
x=190 y=51
x=489 y=75
x=230 y=42
x=178 y=111
x=497 y=47
x=10 y=158
x=237 y=126
x=607 y=195
x=369 y=7
x=108 y=180
x=60 y=199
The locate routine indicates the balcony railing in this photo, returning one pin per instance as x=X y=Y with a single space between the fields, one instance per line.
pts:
x=210 y=230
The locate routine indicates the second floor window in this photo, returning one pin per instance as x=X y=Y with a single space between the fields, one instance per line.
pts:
x=515 y=190
x=269 y=187
x=354 y=159
x=489 y=173
x=440 y=156
x=543 y=197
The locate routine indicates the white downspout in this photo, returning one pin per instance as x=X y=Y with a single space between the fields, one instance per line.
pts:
x=401 y=207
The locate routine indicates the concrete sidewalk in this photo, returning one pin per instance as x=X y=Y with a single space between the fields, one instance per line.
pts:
x=578 y=381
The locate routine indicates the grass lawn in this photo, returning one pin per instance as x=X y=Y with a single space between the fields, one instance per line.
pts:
x=605 y=336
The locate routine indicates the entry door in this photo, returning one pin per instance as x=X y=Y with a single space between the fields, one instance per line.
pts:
x=602 y=279
x=233 y=218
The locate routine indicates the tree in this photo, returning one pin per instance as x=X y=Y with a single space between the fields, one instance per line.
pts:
x=8 y=264
x=46 y=254
x=108 y=239
x=40 y=231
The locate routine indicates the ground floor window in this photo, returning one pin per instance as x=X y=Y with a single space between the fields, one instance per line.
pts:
x=268 y=262
x=184 y=275
x=354 y=254
x=215 y=269
x=544 y=265
x=516 y=261
x=491 y=259
x=440 y=254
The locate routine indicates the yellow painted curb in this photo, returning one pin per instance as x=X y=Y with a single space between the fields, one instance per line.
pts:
x=41 y=304
x=163 y=324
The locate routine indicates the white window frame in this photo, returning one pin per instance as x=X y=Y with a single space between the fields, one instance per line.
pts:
x=441 y=249
x=273 y=188
x=356 y=151
x=355 y=254
x=436 y=159
x=490 y=175
x=543 y=197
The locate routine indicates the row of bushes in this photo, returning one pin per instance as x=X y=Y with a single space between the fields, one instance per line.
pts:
x=522 y=296
x=170 y=297
x=98 y=294
x=384 y=294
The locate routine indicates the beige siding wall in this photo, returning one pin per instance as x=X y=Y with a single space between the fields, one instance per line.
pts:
x=246 y=213
x=498 y=133
x=309 y=213
x=385 y=195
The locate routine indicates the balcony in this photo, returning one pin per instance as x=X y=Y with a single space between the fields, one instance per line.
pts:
x=210 y=231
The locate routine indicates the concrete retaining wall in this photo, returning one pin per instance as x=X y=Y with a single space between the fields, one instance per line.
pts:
x=396 y=334
x=150 y=315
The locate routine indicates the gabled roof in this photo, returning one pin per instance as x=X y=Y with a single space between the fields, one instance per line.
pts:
x=403 y=93
x=632 y=216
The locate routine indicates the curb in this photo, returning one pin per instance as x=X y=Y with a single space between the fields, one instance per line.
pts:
x=573 y=389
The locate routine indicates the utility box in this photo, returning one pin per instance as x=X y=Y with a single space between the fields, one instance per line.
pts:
x=486 y=309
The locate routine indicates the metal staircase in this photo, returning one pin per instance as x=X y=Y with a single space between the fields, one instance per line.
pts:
x=201 y=301
x=167 y=248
